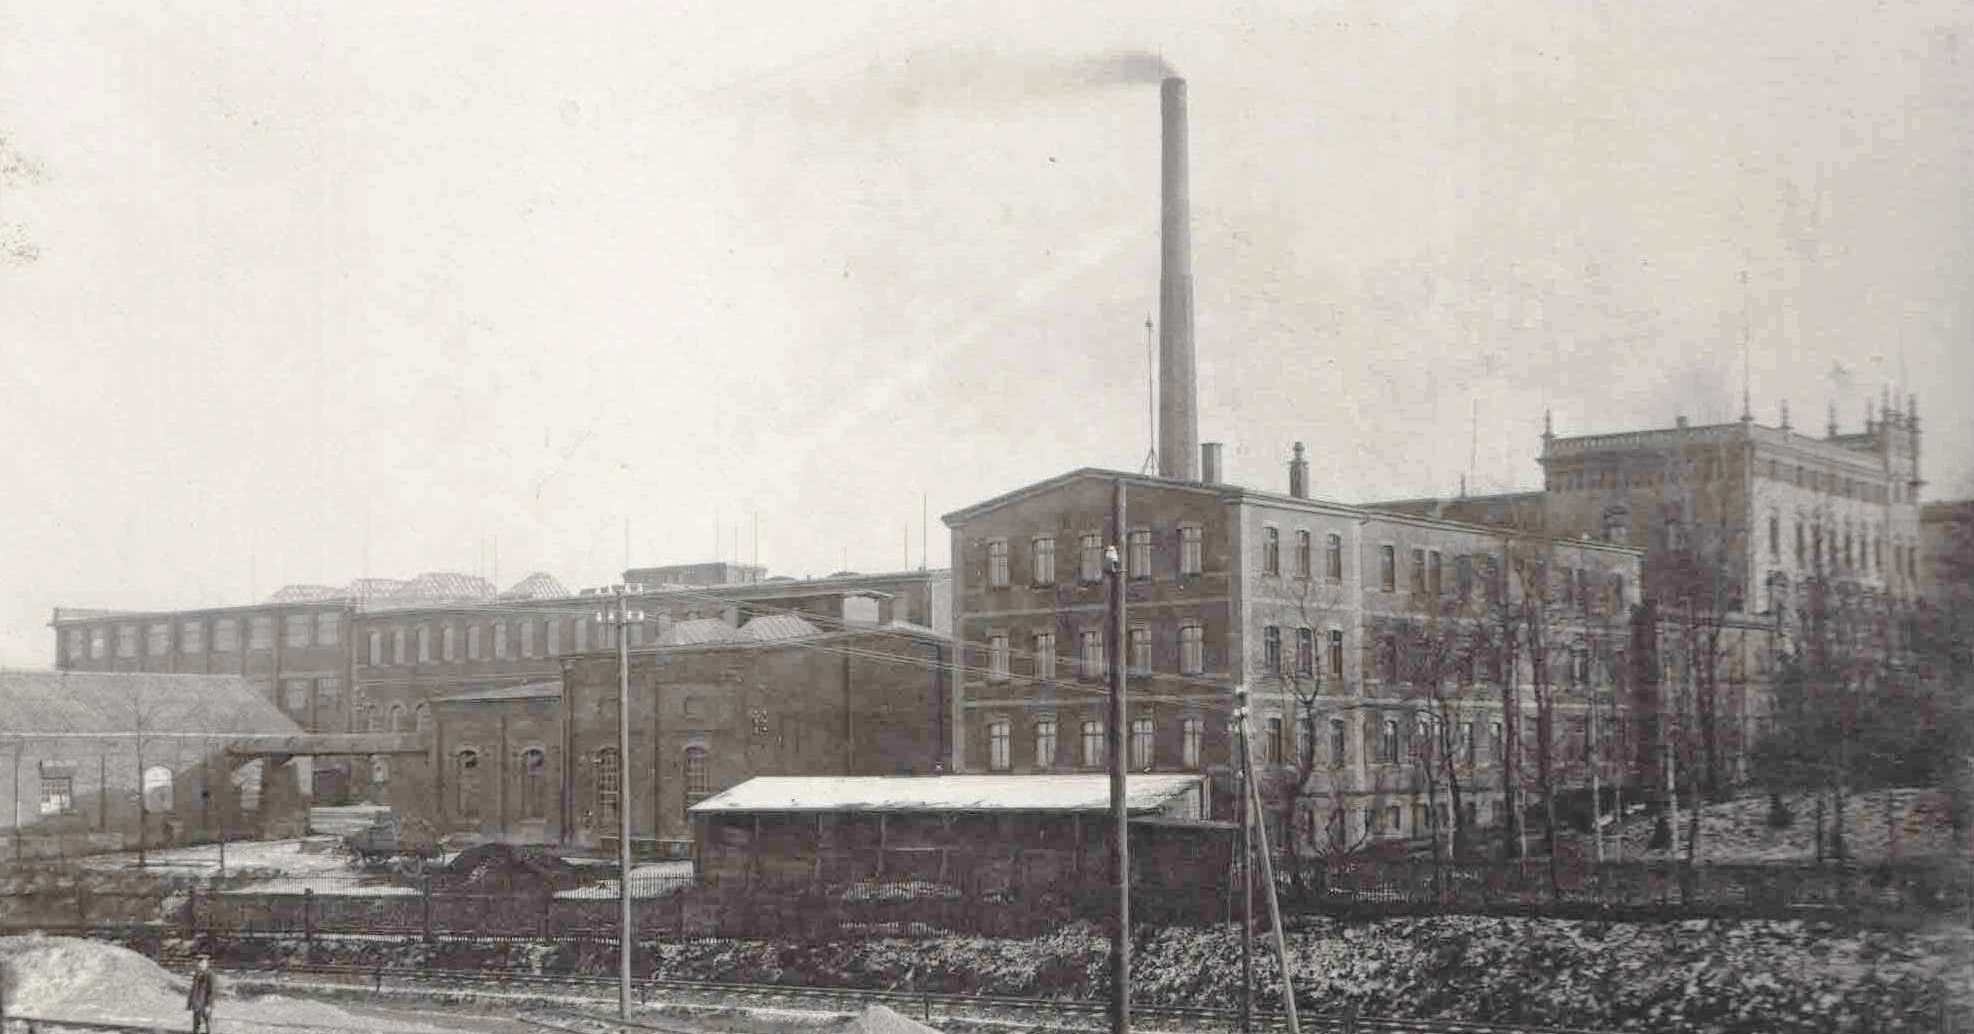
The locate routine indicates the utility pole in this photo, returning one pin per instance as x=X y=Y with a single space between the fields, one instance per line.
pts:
x=1255 y=815
x=1247 y=899
x=1120 y=858
x=622 y=616
x=1596 y=783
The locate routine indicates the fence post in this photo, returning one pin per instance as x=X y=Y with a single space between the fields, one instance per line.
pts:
x=308 y=920
x=425 y=892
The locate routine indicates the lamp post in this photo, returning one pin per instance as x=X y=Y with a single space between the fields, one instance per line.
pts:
x=1120 y=943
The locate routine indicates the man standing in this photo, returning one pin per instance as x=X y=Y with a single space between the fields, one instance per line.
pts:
x=201 y=999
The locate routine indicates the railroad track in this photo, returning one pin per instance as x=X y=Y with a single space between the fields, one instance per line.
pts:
x=927 y=1007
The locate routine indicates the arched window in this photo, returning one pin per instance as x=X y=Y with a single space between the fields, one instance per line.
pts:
x=398 y=718
x=466 y=782
x=534 y=783
x=423 y=718
x=157 y=788
x=698 y=784
x=608 y=785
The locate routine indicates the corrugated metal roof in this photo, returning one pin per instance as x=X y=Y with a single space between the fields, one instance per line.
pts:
x=531 y=691
x=1051 y=793
x=92 y=701
x=697 y=632
x=769 y=628
x=307 y=594
x=538 y=586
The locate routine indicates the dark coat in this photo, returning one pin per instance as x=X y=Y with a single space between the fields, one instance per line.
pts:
x=203 y=992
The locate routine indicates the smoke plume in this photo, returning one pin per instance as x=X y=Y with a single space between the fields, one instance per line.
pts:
x=894 y=87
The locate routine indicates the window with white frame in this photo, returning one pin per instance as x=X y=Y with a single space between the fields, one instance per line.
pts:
x=1042 y=560
x=328 y=628
x=1336 y=654
x=376 y=648
x=1090 y=558
x=1138 y=554
x=157 y=639
x=528 y=638
x=1092 y=654
x=1142 y=741
x=57 y=791
x=698 y=781
x=997 y=564
x=1388 y=568
x=1304 y=561
x=609 y=785
x=1189 y=549
x=1192 y=649
x=1045 y=742
x=448 y=642
x=500 y=640
x=424 y=644
x=552 y=633
x=998 y=732
x=1045 y=655
x=473 y=644
x=1093 y=744
x=398 y=655
x=1140 y=654
x=997 y=656
x=1189 y=741
x=1388 y=741
x=126 y=640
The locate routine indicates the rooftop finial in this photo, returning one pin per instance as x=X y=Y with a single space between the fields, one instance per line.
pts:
x=1831 y=425
x=1548 y=424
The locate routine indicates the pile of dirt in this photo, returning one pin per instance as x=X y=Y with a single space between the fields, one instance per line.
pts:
x=507 y=869
x=879 y=1020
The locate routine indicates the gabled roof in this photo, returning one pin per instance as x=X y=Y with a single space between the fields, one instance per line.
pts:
x=308 y=594
x=538 y=586
x=79 y=702
x=698 y=631
x=1022 y=793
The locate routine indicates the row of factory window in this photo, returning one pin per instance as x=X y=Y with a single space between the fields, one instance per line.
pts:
x=501 y=640
x=1707 y=470
x=298 y=631
x=1137 y=557
x=1091 y=665
x=1815 y=549
x=1397 y=740
x=1832 y=483
x=609 y=781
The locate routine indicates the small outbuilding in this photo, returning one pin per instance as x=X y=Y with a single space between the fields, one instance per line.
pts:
x=1016 y=835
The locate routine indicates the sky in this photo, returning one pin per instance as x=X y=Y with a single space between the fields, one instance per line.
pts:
x=301 y=293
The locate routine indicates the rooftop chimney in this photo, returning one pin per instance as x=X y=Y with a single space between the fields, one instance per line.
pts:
x=1209 y=462
x=1178 y=401
x=1679 y=421
x=1299 y=474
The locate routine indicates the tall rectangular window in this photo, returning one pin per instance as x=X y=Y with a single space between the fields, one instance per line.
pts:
x=997 y=564
x=1305 y=652
x=1090 y=558
x=608 y=783
x=1388 y=568
x=500 y=640
x=398 y=655
x=1141 y=743
x=1093 y=744
x=1463 y=576
x=1271 y=741
x=1774 y=537
x=473 y=648
x=1140 y=654
x=997 y=656
x=157 y=639
x=295 y=629
x=1387 y=659
x=528 y=638
x=997 y=745
x=1271 y=650
x=1333 y=558
x=126 y=640
x=328 y=700
x=1468 y=743
x=1192 y=650
x=1339 y=744
x=98 y=643
x=75 y=644
x=1388 y=741
x=552 y=634
x=260 y=633
x=1418 y=573
x=1497 y=746
x=1433 y=584
x=1045 y=655
x=1189 y=736
x=1336 y=653
x=1799 y=542
x=1304 y=562
x=328 y=628
x=1045 y=742
x=1093 y=654
x=448 y=642
x=376 y=648
x=1271 y=551
x=1043 y=560
x=1189 y=550
x=1139 y=556
x=294 y=696
x=424 y=644
x=581 y=634
x=191 y=638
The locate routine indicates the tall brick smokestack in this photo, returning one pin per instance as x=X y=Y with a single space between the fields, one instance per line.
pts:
x=1178 y=394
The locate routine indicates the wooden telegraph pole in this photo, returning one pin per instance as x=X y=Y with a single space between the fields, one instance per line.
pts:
x=622 y=616
x=1255 y=814
x=1120 y=857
